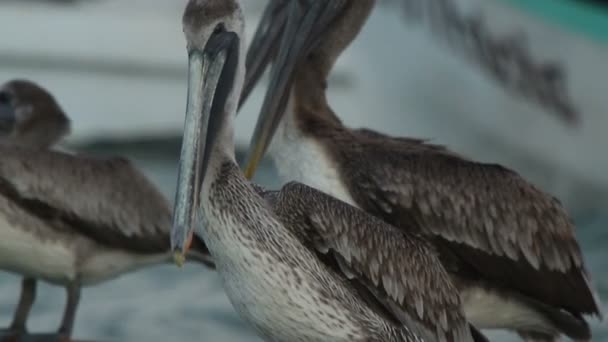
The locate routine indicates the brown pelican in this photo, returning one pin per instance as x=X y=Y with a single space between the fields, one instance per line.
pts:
x=510 y=248
x=66 y=219
x=297 y=264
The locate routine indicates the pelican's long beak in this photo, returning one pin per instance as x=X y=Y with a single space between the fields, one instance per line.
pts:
x=210 y=80
x=302 y=28
x=264 y=45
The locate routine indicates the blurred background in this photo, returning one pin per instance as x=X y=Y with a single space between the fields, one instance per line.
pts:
x=118 y=68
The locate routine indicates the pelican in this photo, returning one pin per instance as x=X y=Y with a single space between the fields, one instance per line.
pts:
x=509 y=247
x=297 y=264
x=70 y=220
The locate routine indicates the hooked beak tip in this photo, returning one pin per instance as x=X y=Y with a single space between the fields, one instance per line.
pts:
x=256 y=155
x=250 y=171
x=179 y=257
x=179 y=253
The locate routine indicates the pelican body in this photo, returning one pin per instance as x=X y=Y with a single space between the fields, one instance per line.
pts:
x=509 y=247
x=296 y=264
x=70 y=220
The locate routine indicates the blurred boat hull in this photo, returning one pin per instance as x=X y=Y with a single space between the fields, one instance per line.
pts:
x=124 y=77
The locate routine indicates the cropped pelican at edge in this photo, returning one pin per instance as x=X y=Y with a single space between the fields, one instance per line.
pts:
x=70 y=220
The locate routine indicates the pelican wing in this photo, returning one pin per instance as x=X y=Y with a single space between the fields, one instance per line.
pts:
x=501 y=226
x=106 y=199
x=401 y=270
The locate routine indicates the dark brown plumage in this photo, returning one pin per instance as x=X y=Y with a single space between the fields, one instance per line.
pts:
x=399 y=270
x=485 y=216
x=83 y=192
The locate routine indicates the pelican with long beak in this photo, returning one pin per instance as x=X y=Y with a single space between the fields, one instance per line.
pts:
x=297 y=264
x=508 y=246
x=70 y=220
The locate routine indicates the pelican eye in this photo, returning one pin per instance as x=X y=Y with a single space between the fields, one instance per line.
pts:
x=5 y=98
x=219 y=28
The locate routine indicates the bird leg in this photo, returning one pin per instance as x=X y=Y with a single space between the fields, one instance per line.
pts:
x=69 y=315
x=26 y=300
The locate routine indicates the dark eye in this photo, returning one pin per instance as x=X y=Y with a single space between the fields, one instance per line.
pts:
x=5 y=98
x=219 y=28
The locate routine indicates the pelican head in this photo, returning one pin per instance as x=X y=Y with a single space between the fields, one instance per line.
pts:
x=30 y=116
x=213 y=31
x=293 y=33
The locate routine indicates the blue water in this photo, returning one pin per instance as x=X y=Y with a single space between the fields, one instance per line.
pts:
x=165 y=303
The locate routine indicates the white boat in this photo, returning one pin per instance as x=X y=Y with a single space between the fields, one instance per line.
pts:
x=118 y=67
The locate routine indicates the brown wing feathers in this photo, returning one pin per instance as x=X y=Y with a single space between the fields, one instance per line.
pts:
x=402 y=270
x=106 y=199
x=487 y=215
